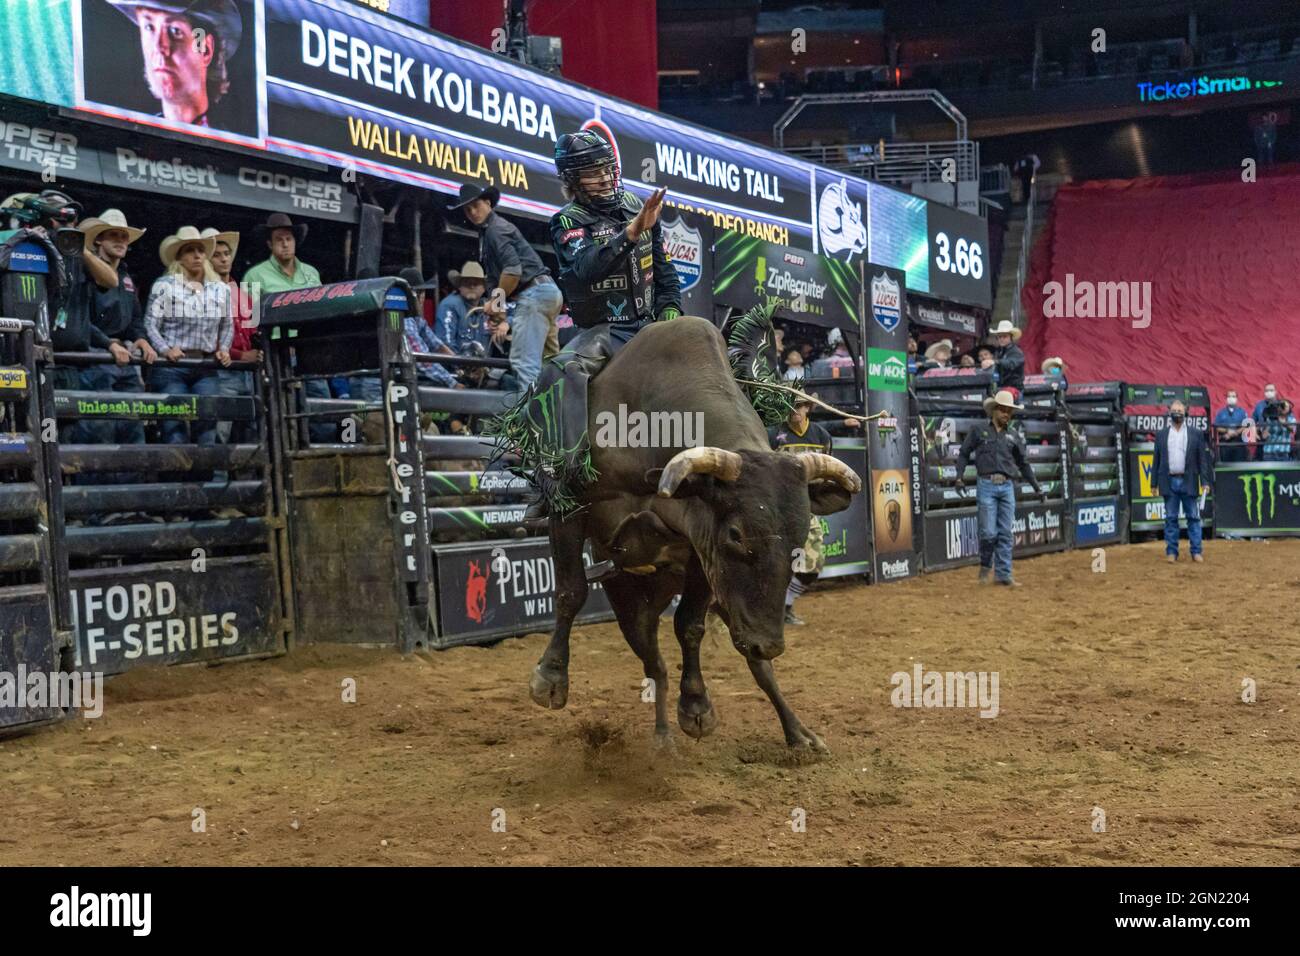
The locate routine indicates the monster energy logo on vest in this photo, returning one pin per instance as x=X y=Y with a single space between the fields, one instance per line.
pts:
x=27 y=287
x=1259 y=482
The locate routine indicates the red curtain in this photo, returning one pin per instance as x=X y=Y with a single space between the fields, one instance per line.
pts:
x=1222 y=258
x=613 y=47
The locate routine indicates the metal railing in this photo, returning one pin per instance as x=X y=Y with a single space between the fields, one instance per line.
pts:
x=995 y=179
x=1026 y=240
x=897 y=163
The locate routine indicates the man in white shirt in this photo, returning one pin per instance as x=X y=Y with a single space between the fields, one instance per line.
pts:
x=1179 y=467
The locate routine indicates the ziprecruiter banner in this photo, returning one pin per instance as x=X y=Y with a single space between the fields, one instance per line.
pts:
x=1257 y=499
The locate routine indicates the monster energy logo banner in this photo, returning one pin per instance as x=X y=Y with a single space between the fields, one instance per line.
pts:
x=1260 y=483
x=1258 y=499
x=28 y=287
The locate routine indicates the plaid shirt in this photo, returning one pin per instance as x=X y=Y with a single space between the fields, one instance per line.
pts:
x=180 y=316
x=421 y=338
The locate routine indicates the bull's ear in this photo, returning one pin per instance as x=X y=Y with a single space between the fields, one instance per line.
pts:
x=827 y=497
x=691 y=486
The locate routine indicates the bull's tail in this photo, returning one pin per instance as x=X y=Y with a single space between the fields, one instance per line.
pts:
x=751 y=347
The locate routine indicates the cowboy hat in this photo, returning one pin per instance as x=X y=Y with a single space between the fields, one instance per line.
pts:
x=107 y=220
x=470 y=270
x=941 y=344
x=184 y=236
x=279 y=220
x=229 y=238
x=469 y=192
x=1054 y=362
x=1002 y=399
x=418 y=283
x=218 y=16
x=1005 y=328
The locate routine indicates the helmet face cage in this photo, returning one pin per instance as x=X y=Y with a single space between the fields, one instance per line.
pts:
x=604 y=195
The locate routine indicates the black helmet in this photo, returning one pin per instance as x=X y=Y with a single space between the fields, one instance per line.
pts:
x=585 y=151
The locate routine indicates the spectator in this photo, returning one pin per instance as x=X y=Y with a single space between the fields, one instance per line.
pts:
x=794 y=369
x=1279 y=431
x=1180 y=465
x=283 y=270
x=1026 y=169
x=840 y=357
x=1054 y=369
x=938 y=355
x=796 y=435
x=912 y=362
x=118 y=314
x=1010 y=361
x=1228 y=427
x=421 y=338
x=518 y=272
x=232 y=383
x=999 y=454
x=967 y=361
x=1270 y=395
x=188 y=316
x=457 y=325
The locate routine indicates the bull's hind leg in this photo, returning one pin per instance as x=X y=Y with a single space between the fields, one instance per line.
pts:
x=695 y=713
x=549 y=685
x=638 y=601
x=796 y=734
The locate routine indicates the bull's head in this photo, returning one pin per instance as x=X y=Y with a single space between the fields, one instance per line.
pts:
x=757 y=512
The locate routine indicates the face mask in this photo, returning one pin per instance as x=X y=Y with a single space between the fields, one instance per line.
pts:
x=1270 y=394
x=1055 y=370
x=1176 y=418
x=1232 y=400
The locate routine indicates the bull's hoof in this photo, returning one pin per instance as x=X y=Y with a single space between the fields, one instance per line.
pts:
x=549 y=688
x=801 y=738
x=696 y=716
x=665 y=743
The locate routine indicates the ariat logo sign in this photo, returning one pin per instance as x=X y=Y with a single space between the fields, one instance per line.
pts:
x=1261 y=492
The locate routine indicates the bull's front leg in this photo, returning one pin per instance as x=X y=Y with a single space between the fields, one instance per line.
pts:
x=695 y=714
x=549 y=685
x=796 y=734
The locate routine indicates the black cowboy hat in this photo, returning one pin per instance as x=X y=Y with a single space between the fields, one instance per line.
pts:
x=279 y=220
x=469 y=192
x=418 y=283
x=218 y=16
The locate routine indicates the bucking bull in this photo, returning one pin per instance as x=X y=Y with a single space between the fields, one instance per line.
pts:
x=719 y=524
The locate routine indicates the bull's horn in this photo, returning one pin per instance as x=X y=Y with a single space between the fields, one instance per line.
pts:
x=698 y=461
x=818 y=466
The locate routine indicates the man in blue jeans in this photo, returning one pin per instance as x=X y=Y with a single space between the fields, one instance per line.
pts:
x=1000 y=458
x=1179 y=466
x=520 y=278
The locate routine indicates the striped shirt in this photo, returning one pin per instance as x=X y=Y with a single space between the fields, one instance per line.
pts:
x=183 y=316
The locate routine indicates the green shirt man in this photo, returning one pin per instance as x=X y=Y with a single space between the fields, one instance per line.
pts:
x=283 y=270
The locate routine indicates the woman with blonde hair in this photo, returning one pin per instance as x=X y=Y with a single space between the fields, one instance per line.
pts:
x=188 y=316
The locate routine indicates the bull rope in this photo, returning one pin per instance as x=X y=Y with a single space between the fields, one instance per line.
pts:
x=816 y=401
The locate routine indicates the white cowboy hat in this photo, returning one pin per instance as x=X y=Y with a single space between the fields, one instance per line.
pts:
x=470 y=270
x=941 y=344
x=106 y=220
x=184 y=236
x=1002 y=399
x=1005 y=328
x=229 y=238
x=1054 y=362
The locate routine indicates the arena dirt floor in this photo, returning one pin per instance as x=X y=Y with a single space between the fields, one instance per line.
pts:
x=1119 y=690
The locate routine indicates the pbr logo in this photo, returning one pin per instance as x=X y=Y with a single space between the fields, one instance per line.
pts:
x=886 y=302
x=684 y=246
x=839 y=222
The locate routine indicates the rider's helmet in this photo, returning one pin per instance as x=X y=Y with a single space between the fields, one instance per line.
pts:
x=586 y=151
